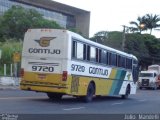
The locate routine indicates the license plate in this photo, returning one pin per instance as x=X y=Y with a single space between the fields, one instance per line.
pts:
x=41 y=76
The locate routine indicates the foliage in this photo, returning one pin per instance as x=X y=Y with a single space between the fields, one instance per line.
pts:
x=135 y=44
x=151 y=21
x=111 y=39
x=138 y=27
x=15 y=22
x=8 y=48
x=115 y=40
x=100 y=37
x=148 y=21
x=153 y=47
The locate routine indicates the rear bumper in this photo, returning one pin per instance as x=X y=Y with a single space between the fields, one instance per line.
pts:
x=44 y=88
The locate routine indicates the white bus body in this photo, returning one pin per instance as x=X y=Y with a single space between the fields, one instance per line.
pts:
x=60 y=62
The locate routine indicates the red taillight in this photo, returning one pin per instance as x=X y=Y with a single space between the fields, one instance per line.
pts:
x=22 y=72
x=64 y=75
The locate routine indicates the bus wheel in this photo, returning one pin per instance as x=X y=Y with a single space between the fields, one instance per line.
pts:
x=127 y=93
x=90 y=93
x=54 y=96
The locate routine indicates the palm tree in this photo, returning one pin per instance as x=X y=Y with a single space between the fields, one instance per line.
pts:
x=151 y=21
x=138 y=25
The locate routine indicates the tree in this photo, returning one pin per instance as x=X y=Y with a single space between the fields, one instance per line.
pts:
x=138 y=25
x=153 y=46
x=100 y=37
x=151 y=21
x=135 y=44
x=15 y=22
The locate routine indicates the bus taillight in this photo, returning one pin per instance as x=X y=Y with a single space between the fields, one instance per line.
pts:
x=64 y=75
x=22 y=72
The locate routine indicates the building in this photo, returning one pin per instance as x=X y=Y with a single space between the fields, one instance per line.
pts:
x=66 y=16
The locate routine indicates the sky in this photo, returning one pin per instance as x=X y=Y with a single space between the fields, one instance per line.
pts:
x=111 y=15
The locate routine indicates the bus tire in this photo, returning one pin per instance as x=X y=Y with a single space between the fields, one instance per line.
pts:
x=54 y=96
x=90 y=93
x=126 y=93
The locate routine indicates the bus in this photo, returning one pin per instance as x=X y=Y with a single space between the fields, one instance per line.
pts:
x=59 y=62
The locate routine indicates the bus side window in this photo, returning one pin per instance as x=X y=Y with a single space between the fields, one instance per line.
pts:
x=114 y=59
x=119 y=61
x=93 y=54
x=97 y=55
x=109 y=58
x=88 y=52
x=100 y=56
x=74 y=49
x=80 y=51
x=123 y=62
x=84 y=52
x=128 y=63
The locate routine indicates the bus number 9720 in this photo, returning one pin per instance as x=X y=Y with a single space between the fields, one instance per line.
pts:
x=43 y=68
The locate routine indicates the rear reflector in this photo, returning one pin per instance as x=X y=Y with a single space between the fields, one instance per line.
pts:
x=64 y=75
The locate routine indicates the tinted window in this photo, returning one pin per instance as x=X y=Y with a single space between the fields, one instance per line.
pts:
x=74 y=47
x=128 y=63
x=104 y=57
x=88 y=52
x=93 y=54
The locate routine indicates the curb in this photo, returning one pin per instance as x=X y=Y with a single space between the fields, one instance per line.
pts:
x=4 y=87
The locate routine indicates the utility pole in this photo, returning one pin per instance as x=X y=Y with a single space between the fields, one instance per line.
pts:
x=124 y=37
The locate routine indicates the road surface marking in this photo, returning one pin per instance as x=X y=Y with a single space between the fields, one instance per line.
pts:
x=117 y=103
x=74 y=108
x=142 y=100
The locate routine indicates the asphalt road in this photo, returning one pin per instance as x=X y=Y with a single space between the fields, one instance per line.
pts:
x=26 y=102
